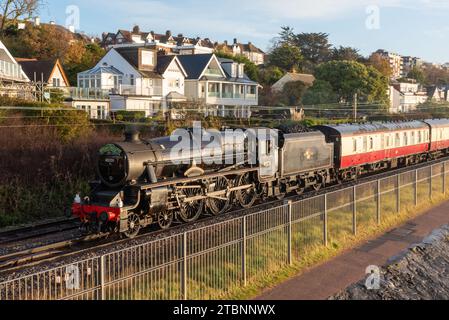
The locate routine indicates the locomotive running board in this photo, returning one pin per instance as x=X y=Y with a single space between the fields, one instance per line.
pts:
x=167 y=183
x=217 y=194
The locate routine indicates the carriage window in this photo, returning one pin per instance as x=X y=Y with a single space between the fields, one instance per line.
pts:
x=405 y=139
x=365 y=143
x=268 y=151
x=371 y=143
x=412 y=140
x=397 y=141
x=419 y=137
x=354 y=140
x=387 y=141
x=441 y=134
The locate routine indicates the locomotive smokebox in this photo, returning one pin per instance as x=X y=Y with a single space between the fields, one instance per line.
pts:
x=132 y=135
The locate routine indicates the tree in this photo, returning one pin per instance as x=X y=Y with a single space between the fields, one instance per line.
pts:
x=381 y=64
x=13 y=10
x=286 y=57
x=270 y=75
x=435 y=76
x=287 y=36
x=349 y=78
x=345 y=53
x=315 y=48
x=320 y=93
x=292 y=93
x=417 y=74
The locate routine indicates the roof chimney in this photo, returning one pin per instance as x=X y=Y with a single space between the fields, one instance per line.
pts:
x=168 y=33
x=226 y=42
x=235 y=40
x=180 y=35
x=136 y=29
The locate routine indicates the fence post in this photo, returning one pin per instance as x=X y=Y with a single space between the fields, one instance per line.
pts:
x=399 y=193
x=416 y=187
x=444 y=177
x=102 y=280
x=244 y=251
x=379 y=217
x=290 y=258
x=184 y=266
x=325 y=221
x=431 y=183
x=354 y=210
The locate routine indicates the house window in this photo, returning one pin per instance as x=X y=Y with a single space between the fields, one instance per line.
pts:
x=131 y=79
x=56 y=82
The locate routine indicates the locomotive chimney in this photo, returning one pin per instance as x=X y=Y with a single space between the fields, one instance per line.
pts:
x=132 y=136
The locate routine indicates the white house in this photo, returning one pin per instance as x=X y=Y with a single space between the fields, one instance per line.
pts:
x=138 y=79
x=405 y=97
x=220 y=84
x=14 y=82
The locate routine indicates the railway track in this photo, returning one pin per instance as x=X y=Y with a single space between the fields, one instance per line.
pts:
x=38 y=230
x=60 y=250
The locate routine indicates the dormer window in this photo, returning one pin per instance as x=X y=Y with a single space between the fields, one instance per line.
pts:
x=241 y=70
x=234 y=70
x=147 y=58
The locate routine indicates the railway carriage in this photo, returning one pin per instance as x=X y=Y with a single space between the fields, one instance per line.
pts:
x=376 y=146
x=439 y=135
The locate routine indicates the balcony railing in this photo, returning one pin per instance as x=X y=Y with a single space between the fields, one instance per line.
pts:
x=214 y=94
x=135 y=91
x=85 y=93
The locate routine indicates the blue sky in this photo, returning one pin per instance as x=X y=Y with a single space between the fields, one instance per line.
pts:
x=409 y=27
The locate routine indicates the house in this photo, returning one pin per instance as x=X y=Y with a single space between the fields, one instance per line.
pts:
x=437 y=94
x=221 y=85
x=249 y=50
x=167 y=42
x=51 y=73
x=405 y=97
x=137 y=79
x=307 y=79
x=13 y=80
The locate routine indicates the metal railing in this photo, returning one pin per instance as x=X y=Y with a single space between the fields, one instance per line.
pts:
x=211 y=262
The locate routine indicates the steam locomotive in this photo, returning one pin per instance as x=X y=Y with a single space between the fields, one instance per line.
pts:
x=141 y=182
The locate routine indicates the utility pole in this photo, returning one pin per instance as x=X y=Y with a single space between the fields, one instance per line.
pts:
x=355 y=106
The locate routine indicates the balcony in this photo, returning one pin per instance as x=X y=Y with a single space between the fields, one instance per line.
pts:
x=85 y=93
x=135 y=91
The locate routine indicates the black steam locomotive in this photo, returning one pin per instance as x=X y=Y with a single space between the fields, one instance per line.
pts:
x=145 y=182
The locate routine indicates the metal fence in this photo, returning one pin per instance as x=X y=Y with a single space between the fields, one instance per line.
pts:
x=211 y=262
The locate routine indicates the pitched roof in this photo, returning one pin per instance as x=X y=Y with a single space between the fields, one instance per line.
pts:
x=194 y=64
x=38 y=68
x=163 y=62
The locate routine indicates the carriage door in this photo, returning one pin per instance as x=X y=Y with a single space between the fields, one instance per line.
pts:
x=268 y=155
